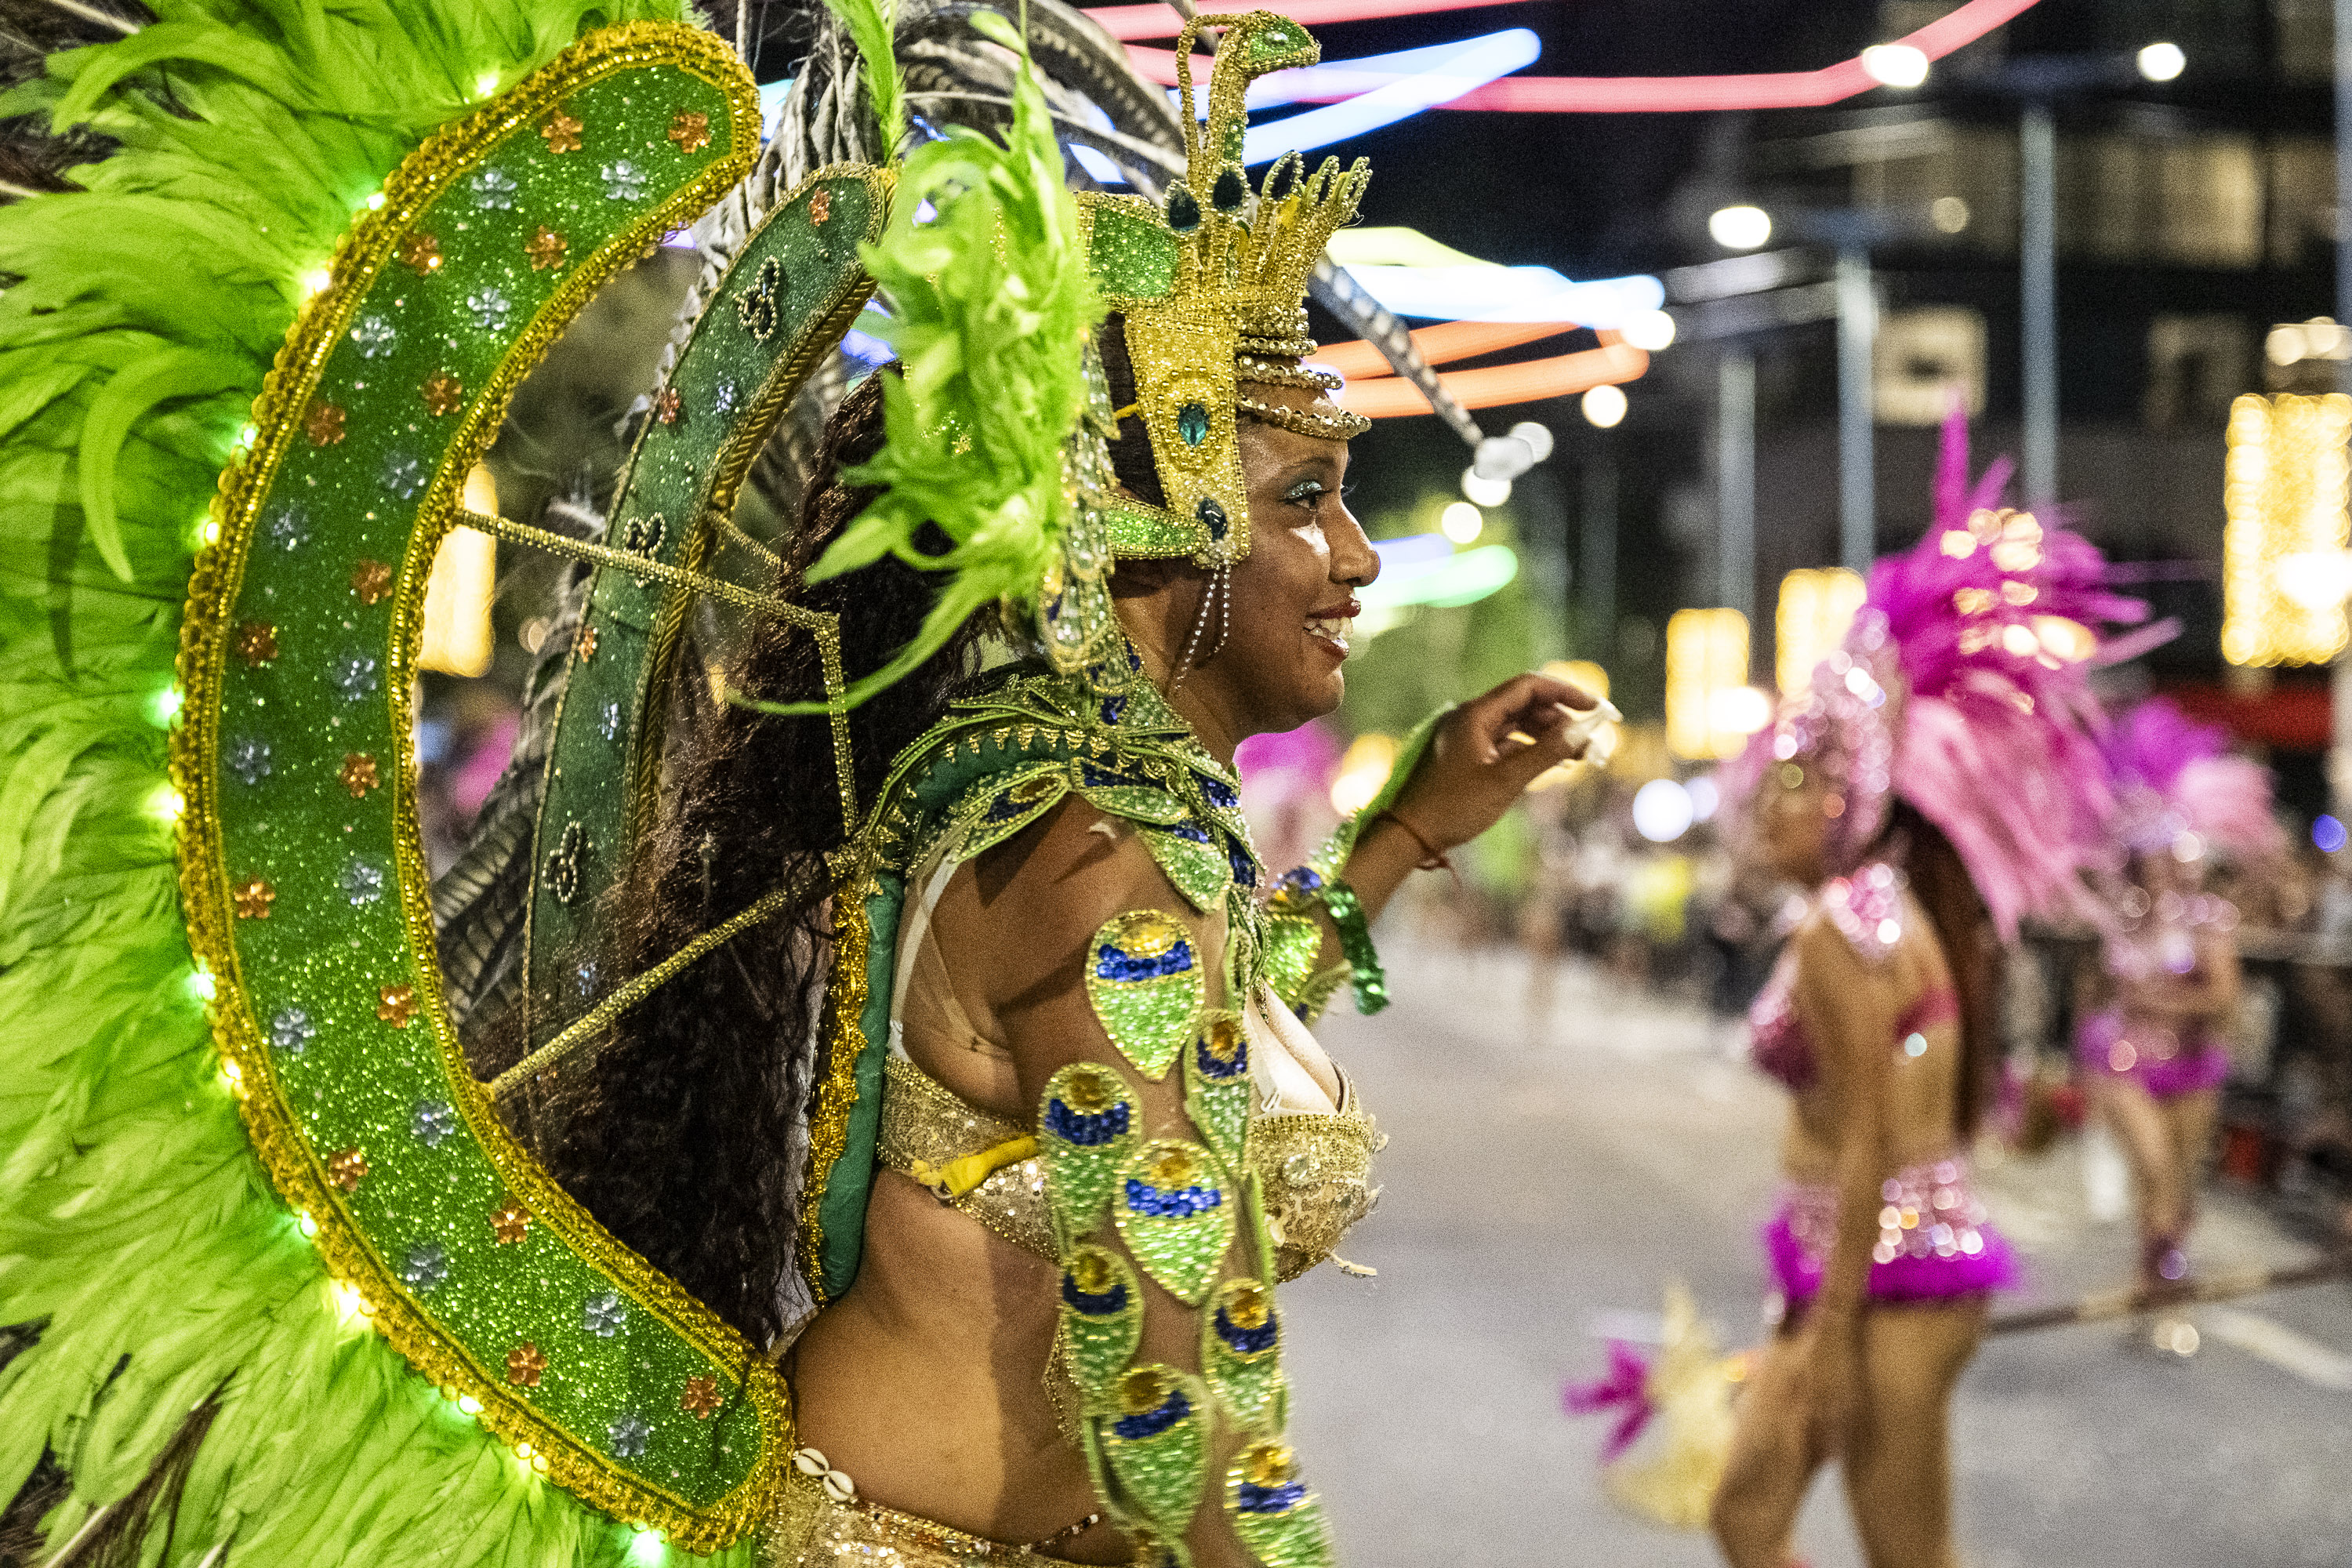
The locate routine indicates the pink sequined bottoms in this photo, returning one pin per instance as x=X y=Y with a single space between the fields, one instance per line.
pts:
x=1934 y=1240
x=2163 y=1063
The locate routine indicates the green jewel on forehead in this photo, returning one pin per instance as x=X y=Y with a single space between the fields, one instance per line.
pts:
x=1192 y=424
x=1145 y=982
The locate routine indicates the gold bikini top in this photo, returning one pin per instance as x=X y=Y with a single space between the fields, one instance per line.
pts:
x=1314 y=1167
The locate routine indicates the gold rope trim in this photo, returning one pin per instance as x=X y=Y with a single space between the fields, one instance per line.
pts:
x=640 y=986
x=293 y=1165
x=836 y=1097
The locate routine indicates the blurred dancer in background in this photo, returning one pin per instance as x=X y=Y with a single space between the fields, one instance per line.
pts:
x=1939 y=780
x=2153 y=1059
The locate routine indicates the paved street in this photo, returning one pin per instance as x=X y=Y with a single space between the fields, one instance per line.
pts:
x=1546 y=1176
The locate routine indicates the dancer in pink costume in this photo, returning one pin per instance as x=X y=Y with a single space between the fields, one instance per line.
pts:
x=1939 y=781
x=2153 y=1059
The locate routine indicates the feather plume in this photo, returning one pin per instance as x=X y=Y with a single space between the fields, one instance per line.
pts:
x=135 y=1222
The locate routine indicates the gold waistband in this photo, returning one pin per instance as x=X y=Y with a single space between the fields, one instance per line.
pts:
x=812 y=1530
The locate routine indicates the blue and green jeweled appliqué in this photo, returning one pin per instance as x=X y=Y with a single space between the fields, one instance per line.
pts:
x=1137 y=1210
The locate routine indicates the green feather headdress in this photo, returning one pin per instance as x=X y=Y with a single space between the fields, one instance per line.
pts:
x=991 y=309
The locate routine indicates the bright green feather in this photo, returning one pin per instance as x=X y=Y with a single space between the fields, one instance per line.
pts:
x=991 y=304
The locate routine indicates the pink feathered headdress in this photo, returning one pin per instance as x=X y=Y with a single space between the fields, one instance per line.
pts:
x=1962 y=688
x=2173 y=776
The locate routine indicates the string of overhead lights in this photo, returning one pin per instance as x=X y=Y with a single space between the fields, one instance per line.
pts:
x=1902 y=62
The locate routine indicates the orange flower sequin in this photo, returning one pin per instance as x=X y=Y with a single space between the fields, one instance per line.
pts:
x=255 y=642
x=545 y=248
x=562 y=131
x=372 y=581
x=253 y=898
x=524 y=1363
x=690 y=131
x=397 y=1005
x=701 y=1398
x=443 y=393
x=359 y=774
x=323 y=424
x=347 y=1168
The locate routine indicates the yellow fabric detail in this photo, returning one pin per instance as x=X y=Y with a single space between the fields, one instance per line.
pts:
x=958 y=1177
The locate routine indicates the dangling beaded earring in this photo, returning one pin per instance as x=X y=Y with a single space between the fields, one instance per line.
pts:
x=1217 y=590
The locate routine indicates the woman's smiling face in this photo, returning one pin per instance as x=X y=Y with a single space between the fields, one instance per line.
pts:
x=1294 y=596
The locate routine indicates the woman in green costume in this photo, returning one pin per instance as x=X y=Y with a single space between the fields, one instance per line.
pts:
x=282 y=1282
x=1104 y=1130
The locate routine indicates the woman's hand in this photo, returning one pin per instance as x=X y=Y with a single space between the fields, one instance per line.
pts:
x=1485 y=753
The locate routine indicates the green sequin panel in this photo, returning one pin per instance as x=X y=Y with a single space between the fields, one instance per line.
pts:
x=312 y=741
x=1007 y=804
x=1129 y=247
x=1217 y=1084
x=1086 y=1128
x=1274 y=1513
x=1199 y=870
x=1176 y=1211
x=1102 y=1319
x=1240 y=1353
x=1138 y=531
x=788 y=293
x=1144 y=800
x=1145 y=980
x=1293 y=951
x=1157 y=1443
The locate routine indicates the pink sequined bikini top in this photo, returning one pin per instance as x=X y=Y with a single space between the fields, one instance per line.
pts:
x=1867 y=911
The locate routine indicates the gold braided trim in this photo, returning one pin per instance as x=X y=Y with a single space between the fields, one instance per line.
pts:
x=640 y=985
x=1248 y=368
x=845 y=1026
x=1338 y=425
x=294 y=1167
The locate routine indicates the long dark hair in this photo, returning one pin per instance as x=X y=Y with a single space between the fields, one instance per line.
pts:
x=1940 y=881
x=681 y=1136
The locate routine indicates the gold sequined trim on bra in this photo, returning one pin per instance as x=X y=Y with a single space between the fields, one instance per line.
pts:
x=1316 y=1170
x=976 y=1161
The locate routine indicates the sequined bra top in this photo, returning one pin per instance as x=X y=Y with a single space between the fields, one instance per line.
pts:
x=1314 y=1167
x=1867 y=909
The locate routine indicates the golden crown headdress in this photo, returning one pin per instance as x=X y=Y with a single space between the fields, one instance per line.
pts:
x=1212 y=281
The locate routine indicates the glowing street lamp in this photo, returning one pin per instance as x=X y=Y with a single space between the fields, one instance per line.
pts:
x=1895 y=65
x=1710 y=707
x=1817 y=606
x=2162 y=62
x=1741 y=228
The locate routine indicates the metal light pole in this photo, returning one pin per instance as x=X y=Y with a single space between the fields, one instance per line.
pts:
x=1597 y=549
x=1857 y=476
x=2038 y=282
x=1734 y=478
